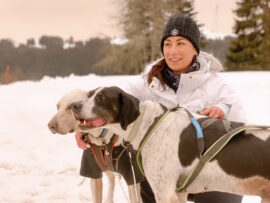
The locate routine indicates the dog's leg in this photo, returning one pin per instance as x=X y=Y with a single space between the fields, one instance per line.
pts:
x=132 y=193
x=182 y=196
x=173 y=198
x=96 y=190
x=166 y=196
x=111 y=184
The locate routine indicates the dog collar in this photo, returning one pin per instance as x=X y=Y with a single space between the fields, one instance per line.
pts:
x=104 y=132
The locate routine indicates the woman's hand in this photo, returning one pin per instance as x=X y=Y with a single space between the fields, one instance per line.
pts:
x=81 y=144
x=213 y=112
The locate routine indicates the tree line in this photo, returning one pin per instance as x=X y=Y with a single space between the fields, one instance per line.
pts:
x=142 y=23
x=49 y=57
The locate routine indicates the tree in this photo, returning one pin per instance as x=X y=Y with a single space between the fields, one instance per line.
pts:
x=142 y=22
x=265 y=45
x=30 y=42
x=248 y=50
x=51 y=42
x=6 y=44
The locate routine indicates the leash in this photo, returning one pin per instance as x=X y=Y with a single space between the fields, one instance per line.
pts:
x=184 y=181
x=129 y=151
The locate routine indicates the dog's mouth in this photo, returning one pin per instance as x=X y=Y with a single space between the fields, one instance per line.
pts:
x=90 y=123
x=71 y=131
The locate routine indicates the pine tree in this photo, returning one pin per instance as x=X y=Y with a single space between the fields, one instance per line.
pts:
x=246 y=52
x=265 y=45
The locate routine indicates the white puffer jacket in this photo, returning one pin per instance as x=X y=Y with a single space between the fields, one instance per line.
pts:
x=196 y=90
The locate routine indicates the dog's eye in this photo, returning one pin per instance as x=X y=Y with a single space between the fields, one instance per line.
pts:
x=57 y=106
x=101 y=97
x=68 y=107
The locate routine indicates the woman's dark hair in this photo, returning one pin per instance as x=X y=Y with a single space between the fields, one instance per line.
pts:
x=156 y=70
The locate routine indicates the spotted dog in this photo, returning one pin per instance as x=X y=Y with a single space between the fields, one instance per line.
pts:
x=63 y=122
x=242 y=167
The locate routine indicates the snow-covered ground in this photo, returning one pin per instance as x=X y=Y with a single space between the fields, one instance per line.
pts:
x=37 y=166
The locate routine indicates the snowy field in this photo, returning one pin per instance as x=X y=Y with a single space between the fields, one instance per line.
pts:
x=39 y=167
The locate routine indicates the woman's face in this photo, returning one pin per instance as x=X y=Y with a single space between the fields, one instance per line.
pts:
x=178 y=53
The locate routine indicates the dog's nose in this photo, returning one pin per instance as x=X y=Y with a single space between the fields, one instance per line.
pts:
x=53 y=126
x=76 y=106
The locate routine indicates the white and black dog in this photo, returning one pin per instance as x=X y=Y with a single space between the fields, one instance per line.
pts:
x=63 y=122
x=242 y=167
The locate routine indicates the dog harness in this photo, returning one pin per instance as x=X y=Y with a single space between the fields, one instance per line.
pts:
x=205 y=156
x=158 y=120
x=103 y=154
x=185 y=180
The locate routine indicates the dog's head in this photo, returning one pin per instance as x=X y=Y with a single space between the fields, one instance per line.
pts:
x=106 y=105
x=63 y=121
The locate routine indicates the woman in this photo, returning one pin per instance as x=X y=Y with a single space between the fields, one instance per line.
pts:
x=187 y=78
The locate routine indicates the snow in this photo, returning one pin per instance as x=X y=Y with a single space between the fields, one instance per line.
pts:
x=214 y=35
x=38 y=166
x=119 y=40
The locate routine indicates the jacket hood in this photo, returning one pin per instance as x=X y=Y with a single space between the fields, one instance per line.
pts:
x=208 y=63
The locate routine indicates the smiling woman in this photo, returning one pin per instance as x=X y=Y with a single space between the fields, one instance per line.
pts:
x=178 y=53
x=186 y=77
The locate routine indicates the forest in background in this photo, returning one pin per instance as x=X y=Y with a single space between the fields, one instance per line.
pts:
x=142 y=23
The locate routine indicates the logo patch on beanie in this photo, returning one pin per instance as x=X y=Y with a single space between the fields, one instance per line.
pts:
x=174 y=32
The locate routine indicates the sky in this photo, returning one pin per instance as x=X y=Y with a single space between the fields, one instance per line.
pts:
x=84 y=19
x=37 y=166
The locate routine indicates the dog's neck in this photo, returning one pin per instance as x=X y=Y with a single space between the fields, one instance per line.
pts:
x=148 y=112
x=94 y=137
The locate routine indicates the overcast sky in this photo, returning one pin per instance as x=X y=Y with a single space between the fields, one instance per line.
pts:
x=83 y=19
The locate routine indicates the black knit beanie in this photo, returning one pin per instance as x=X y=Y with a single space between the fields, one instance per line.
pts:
x=180 y=25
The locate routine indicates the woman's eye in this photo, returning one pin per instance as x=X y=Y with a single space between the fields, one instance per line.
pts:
x=166 y=44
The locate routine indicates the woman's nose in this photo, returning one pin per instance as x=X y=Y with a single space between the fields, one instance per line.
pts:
x=173 y=49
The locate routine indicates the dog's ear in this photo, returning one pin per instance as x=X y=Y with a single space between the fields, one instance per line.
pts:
x=129 y=109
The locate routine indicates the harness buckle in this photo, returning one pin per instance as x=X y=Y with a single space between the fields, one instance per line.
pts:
x=126 y=144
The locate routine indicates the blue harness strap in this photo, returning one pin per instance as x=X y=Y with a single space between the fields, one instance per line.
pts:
x=200 y=140
x=104 y=132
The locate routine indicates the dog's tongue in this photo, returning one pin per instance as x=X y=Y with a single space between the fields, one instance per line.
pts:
x=98 y=122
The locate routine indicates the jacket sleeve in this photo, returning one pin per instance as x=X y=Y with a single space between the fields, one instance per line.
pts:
x=225 y=98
